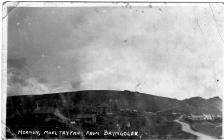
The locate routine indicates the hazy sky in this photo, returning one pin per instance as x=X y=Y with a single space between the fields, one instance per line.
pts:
x=171 y=51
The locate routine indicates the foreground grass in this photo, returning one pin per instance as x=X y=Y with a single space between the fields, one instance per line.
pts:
x=208 y=128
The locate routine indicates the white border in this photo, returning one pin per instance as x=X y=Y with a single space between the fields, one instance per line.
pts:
x=98 y=4
x=4 y=53
x=76 y=3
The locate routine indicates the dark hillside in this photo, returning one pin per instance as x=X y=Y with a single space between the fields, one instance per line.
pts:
x=122 y=99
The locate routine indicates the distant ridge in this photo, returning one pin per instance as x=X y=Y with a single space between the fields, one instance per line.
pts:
x=124 y=99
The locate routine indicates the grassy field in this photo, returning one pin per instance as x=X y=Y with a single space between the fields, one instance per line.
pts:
x=208 y=128
x=167 y=129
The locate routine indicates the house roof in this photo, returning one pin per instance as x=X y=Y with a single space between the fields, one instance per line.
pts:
x=44 y=110
x=103 y=105
x=85 y=115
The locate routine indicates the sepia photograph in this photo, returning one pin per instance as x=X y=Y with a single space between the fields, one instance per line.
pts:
x=113 y=70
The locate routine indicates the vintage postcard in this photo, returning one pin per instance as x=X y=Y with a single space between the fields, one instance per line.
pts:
x=112 y=70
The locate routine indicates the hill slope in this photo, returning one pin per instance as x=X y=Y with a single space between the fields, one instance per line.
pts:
x=122 y=99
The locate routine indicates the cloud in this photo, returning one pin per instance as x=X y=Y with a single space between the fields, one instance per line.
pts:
x=155 y=51
x=42 y=80
x=75 y=85
x=18 y=63
x=20 y=80
x=34 y=87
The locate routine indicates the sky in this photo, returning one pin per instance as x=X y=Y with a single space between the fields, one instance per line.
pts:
x=170 y=51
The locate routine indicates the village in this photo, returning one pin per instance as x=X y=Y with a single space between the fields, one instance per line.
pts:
x=107 y=119
x=96 y=121
x=204 y=117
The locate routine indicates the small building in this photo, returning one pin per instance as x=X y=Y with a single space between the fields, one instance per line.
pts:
x=44 y=112
x=208 y=117
x=85 y=118
x=104 y=109
x=202 y=117
x=49 y=113
x=196 y=117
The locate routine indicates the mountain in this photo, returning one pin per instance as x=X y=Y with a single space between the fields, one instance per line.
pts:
x=199 y=105
x=81 y=100
x=216 y=101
